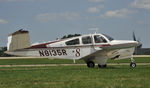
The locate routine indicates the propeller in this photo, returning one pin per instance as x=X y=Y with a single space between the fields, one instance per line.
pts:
x=134 y=38
x=140 y=44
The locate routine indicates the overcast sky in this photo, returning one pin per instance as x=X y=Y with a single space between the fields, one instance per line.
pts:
x=48 y=19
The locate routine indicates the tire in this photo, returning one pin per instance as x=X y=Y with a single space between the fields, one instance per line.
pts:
x=102 y=66
x=132 y=64
x=91 y=64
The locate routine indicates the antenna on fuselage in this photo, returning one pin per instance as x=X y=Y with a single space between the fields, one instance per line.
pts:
x=95 y=30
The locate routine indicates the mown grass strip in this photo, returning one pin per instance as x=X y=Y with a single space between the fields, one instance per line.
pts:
x=75 y=77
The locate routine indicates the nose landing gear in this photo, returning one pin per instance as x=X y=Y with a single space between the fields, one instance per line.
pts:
x=132 y=64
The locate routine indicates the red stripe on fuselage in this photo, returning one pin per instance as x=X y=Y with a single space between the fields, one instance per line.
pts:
x=43 y=45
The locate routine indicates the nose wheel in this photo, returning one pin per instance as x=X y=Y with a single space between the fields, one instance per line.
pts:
x=132 y=64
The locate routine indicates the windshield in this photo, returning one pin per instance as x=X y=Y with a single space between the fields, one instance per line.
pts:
x=99 y=39
x=108 y=37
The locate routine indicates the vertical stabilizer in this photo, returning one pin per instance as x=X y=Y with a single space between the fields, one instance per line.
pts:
x=18 y=40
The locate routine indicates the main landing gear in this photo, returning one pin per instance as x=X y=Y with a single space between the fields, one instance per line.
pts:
x=132 y=64
x=91 y=64
x=102 y=66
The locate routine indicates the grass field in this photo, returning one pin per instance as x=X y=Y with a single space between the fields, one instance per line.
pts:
x=75 y=77
x=60 y=61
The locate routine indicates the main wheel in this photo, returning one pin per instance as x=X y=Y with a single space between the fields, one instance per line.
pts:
x=91 y=64
x=102 y=66
x=132 y=64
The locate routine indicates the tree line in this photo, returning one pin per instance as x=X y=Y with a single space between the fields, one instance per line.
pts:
x=2 y=52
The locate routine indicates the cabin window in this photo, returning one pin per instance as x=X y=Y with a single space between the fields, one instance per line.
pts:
x=99 y=39
x=73 y=42
x=86 y=40
x=108 y=37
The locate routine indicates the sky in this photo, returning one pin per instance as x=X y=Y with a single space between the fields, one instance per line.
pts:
x=50 y=19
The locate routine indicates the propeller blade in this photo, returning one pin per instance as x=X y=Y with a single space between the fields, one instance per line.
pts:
x=134 y=38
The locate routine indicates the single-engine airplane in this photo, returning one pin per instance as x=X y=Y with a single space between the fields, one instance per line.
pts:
x=99 y=47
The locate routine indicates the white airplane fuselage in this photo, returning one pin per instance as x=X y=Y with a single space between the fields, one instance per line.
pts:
x=58 y=49
x=87 y=47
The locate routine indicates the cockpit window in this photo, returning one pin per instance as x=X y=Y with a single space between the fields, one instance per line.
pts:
x=99 y=39
x=86 y=40
x=108 y=37
x=73 y=42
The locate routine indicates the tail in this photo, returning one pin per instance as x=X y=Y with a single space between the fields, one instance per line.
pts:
x=18 y=40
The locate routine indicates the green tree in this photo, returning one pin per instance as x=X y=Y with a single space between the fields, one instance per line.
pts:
x=70 y=36
x=2 y=50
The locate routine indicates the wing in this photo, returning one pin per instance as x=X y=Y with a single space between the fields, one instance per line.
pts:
x=100 y=56
x=95 y=54
x=114 y=52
